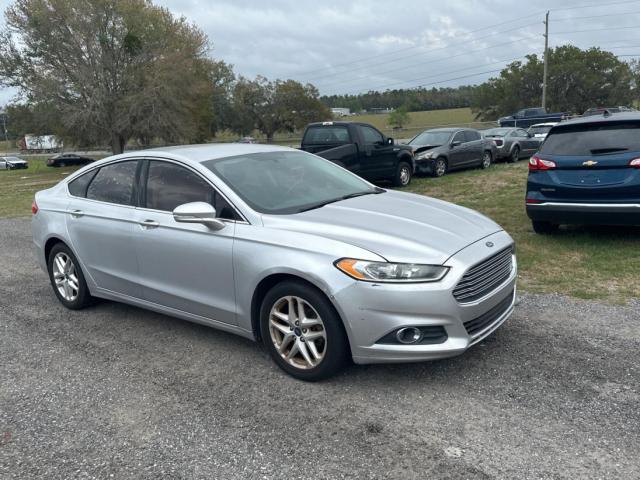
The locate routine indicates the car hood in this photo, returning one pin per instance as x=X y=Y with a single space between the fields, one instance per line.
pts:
x=14 y=162
x=400 y=227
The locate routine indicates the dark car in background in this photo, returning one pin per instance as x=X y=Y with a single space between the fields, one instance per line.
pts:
x=512 y=144
x=362 y=149
x=530 y=116
x=441 y=150
x=67 y=159
x=587 y=172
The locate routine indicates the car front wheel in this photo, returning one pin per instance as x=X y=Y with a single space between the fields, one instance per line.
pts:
x=302 y=331
x=440 y=167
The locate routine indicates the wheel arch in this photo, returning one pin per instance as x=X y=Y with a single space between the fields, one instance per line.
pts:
x=271 y=280
x=50 y=243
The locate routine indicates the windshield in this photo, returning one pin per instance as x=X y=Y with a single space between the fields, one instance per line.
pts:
x=431 y=138
x=593 y=139
x=496 y=132
x=287 y=182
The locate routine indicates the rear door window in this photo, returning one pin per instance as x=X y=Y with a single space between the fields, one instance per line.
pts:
x=78 y=186
x=114 y=183
x=594 y=139
x=329 y=135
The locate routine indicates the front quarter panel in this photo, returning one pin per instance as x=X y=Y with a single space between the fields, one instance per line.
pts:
x=260 y=252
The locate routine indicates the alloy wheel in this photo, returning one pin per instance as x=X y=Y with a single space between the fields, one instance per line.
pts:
x=65 y=277
x=405 y=175
x=441 y=167
x=297 y=332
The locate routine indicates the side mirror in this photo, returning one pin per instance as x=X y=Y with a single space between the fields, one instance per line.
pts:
x=389 y=141
x=455 y=144
x=198 y=212
x=529 y=134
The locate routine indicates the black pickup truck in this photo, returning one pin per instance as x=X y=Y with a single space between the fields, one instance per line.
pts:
x=530 y=116
x=362 y=149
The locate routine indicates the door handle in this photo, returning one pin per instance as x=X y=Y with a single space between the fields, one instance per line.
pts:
x=76 y=213
x=149 y=224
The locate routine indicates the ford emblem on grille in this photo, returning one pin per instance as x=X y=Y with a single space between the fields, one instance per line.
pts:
x=489 y=244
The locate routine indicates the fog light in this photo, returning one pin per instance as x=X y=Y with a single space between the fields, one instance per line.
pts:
x=409 y=335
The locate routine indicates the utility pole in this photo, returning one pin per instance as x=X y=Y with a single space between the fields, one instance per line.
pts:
x=546 y=60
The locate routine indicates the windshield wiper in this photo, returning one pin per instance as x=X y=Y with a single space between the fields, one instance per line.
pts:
x=375 y=191
x=596 y=151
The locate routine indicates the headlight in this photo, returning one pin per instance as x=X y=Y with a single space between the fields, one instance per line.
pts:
x=424 y=155
x=391 y=272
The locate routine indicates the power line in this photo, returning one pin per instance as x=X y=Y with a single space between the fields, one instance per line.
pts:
x=542 y=12
x=434 y=61
x=428 y=51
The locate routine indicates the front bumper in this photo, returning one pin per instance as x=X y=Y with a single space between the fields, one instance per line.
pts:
x=425 y=166
x=372 y=310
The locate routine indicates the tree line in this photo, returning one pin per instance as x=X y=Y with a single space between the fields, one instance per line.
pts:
x=107 y=72
x=104 y=72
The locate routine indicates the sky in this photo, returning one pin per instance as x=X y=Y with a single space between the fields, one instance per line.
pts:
x=351 y=46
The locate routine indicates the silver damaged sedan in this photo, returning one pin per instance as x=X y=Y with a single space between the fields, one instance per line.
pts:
x=280 y=246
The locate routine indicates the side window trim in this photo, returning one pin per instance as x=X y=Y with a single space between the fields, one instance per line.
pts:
x=145 y=176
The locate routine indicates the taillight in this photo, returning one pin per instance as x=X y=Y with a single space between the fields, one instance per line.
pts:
x=635 y=163
x=537 y=163
x=34 y=207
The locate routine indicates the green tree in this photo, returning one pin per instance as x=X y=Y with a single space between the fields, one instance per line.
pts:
x=112 y=69
x=270 y=107
x=578 y=79
x=399 y=118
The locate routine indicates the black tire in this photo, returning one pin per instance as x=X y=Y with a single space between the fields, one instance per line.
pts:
x=440 y=167
x=403 y=175
x=544 y=228
x=336 y=349
x=515 y=155
x=83 y=297
x=487 y=160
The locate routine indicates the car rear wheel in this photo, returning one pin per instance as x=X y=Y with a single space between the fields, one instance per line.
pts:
x=486 y=160
x=515 y=155
x=544 y=227
x=440 y=167
x=67 y=278
x=403 y=175
x=302 y=331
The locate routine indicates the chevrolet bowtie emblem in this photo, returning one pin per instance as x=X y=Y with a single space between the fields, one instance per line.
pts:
x=589 y=163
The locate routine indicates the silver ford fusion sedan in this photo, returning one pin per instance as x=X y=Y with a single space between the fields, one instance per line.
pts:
x=281 y=246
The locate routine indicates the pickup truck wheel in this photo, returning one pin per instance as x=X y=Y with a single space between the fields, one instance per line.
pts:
x=403 y=175
x=440 y=167
x=486 y=160
x=515 y=155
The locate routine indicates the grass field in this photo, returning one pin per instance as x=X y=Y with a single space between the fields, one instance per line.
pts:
x=17 y=187
x=582 y=262
x=419 y=121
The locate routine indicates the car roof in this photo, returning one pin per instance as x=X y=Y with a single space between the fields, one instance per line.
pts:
x=612 y=117
x=209 y=151
x=446 y=130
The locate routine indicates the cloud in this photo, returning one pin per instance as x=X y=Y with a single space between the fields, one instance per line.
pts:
x=349 y=47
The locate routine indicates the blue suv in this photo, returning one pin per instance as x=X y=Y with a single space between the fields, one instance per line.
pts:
x=587 y=171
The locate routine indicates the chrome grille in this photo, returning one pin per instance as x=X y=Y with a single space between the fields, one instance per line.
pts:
x=484 y=277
